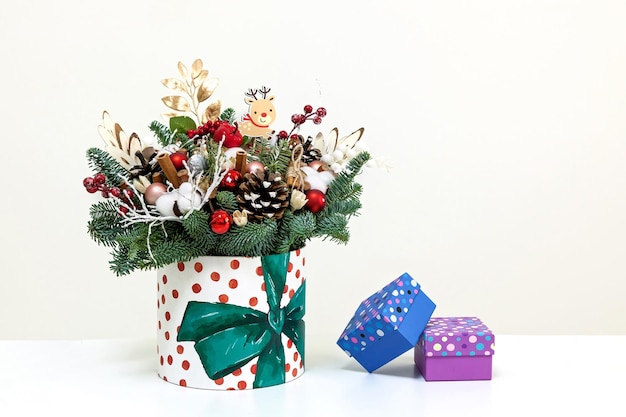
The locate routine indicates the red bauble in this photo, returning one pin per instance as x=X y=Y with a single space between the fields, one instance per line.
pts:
x=220 y=222
x=316 y=200
x=231 y=180
x=230 y=134
x=177 y=159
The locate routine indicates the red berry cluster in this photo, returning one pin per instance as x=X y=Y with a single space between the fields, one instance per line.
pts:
x=98 y=183
x=208 y=128
x=299 y=119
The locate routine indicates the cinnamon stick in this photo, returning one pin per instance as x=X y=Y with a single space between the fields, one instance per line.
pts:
x=168 y=168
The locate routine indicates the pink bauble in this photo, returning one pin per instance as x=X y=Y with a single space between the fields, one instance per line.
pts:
x=316 y=165
x=154 y=191
x=255 y=166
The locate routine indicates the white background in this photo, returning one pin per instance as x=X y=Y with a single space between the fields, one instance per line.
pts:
x=504 y=121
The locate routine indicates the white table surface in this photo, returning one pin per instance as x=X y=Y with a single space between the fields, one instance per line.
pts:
x=532 y=376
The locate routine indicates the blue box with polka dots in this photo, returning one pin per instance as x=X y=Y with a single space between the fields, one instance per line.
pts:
x=387 y=324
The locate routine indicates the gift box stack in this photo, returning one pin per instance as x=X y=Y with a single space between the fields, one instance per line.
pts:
x=398 y=318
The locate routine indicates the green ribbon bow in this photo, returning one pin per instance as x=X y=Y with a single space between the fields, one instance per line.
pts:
x=228 y=336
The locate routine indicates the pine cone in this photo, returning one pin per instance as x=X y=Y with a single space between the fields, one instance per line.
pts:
x=309 y=153
x=263 y=195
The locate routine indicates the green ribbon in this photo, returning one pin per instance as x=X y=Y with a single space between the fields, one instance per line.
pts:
x=228 y=336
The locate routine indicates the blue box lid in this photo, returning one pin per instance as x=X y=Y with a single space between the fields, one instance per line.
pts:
x=387 y=324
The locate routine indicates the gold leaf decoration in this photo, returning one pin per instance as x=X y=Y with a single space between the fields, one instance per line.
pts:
x=197 y=81
x=175 y=84
x=196 y=68
x=167 y=116
x=212 y=112
x=206 y=89
x=176 y=103
x=197 y=87
x=182 y=69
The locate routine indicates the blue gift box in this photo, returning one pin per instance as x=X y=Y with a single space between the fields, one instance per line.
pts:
x=387 y=324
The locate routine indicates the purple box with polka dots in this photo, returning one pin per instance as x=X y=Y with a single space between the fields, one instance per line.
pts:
x=455 y=349
x=387 y=324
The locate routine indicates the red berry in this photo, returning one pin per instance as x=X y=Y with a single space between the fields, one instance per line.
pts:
x=317 y=120
x=123 y=209
x=128 y=193
x=321 y=112
x=115 y=192
x=283 y=134
x=92 y=190
x=308 y=108
x=99 y=179
x=88 y=182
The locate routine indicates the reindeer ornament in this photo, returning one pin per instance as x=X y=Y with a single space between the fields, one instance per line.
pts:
x=261 y=113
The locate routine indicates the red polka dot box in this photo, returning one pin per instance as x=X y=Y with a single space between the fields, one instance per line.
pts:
x=387 y=324
x=232 y=323
x=455 y=349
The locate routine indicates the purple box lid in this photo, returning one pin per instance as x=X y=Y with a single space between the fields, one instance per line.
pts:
x=457 y=336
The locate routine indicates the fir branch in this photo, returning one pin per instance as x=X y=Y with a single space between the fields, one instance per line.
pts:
x=104 y=226
x=228 y=115
x=163 y=133
x=197 y=224
x=100 y=161
x=276 y=158
x=227 y=200
x=342 y=187
x=254 y=239
x=120 y=263
x=175 y=249
x=348 y=207
x=334 y=226
x=211 y=148
x=295 y=230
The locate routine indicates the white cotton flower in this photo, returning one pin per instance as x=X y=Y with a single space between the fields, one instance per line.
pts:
x=317 y=180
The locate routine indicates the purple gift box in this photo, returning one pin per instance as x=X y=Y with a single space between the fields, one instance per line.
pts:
x=455 y=349
x=387 y=324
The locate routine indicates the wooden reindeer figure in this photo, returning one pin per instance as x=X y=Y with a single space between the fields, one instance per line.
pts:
x=260 y=115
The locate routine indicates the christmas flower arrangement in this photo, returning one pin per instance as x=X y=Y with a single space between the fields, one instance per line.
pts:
x=216 y=184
